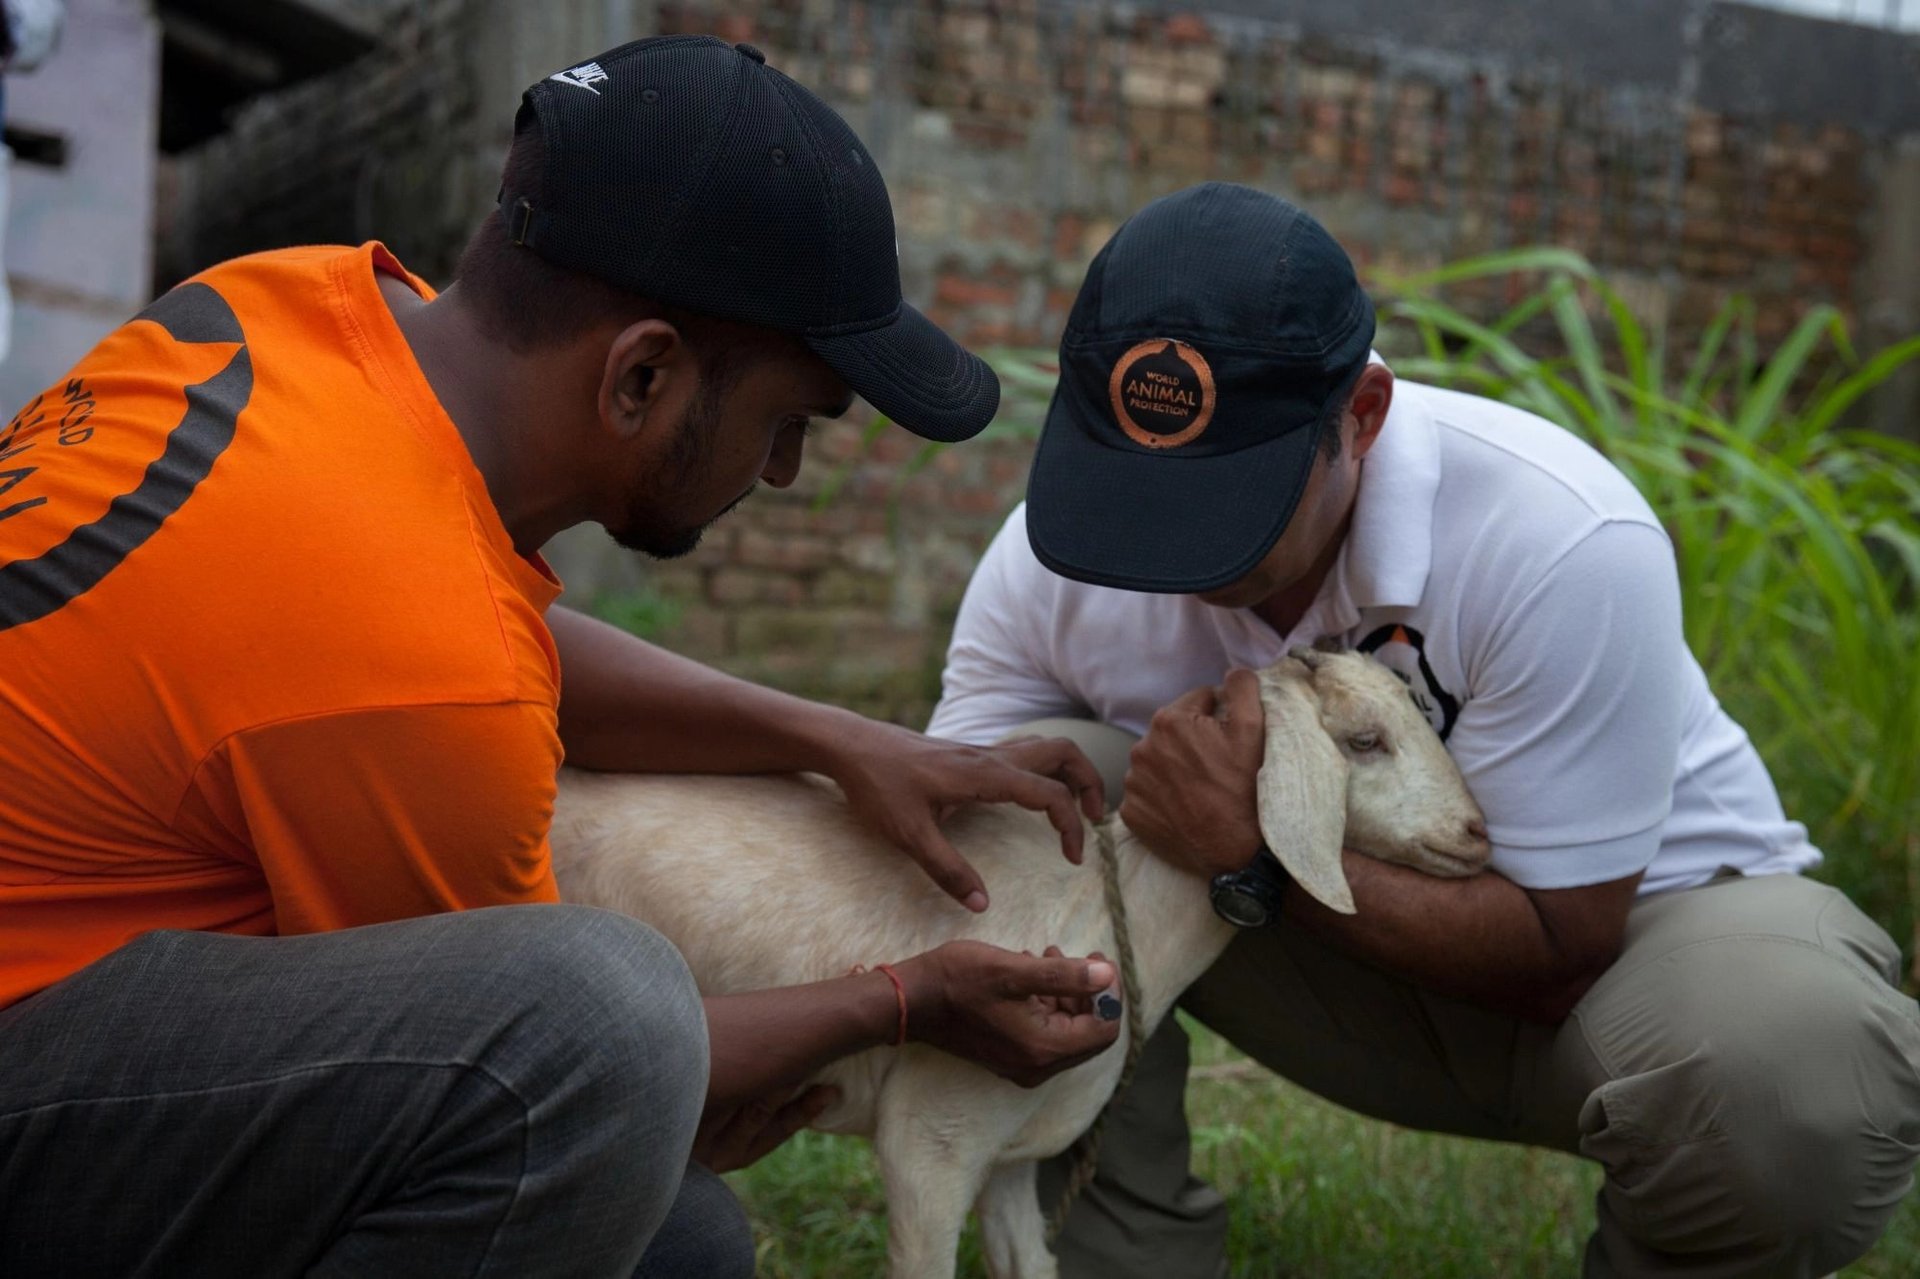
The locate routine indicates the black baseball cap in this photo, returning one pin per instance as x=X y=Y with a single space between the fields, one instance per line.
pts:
x=685 y=169
x=1214 y=337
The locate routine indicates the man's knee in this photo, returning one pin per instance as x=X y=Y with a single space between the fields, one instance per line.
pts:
x=706 y=1233
x=590 y=1014
x=615 y=982
x=600 y=1032
x=1824 y=1111
x=1790 y=1123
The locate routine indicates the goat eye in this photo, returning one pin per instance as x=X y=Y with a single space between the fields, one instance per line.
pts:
x=1364 y=742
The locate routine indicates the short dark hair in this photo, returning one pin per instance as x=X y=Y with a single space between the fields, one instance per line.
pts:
x=528 y=303
x=1330 y=443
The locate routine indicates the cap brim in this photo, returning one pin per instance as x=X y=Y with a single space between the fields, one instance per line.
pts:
x=915 y=374
x=1167 y=524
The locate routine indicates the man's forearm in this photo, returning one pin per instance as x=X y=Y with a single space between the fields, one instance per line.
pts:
x=629 y=706
x=1483 y=939
x=767 y=1041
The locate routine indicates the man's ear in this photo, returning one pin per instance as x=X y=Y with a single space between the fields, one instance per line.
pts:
x=1372 y=397
x=650 y=375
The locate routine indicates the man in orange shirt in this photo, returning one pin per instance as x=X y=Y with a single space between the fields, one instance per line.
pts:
x=281 y=707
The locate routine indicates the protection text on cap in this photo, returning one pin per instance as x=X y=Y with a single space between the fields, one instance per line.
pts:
x=1162 y=393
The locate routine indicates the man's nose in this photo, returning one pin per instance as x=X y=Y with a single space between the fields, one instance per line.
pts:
x=783 y=464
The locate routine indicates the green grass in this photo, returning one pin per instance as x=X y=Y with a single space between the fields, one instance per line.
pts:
x=1316 y=1191
x=643 y=612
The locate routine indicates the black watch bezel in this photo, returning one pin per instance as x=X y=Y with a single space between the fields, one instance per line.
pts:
x=1250 y=898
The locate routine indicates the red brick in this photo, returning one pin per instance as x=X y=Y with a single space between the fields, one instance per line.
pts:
x=1193 y=133
x=1067 y=230
x=1006 y=470
x=753 y=586
x=985 y=132
x=843 y=586
x=1008 y=106
x=759 y=549
x=1001 y=221
x=963 y=291
x=1830 y=248
x=871 y=552
x=715 y=548
x=1187 y=28
x=978 y=501
x=1315 y=179
x=734 y=28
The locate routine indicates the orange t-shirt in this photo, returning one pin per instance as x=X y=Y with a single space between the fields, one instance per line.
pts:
x=269 y=662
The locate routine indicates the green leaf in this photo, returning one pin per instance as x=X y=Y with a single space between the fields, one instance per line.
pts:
x=1762 y=402
x=1542 y=258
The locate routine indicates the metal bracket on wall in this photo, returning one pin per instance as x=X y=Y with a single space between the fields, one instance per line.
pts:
x=37 y=146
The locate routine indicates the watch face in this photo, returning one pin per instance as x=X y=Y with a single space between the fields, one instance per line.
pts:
x=1239 y=907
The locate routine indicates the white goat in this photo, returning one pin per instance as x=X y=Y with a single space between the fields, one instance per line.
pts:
x=770 y=881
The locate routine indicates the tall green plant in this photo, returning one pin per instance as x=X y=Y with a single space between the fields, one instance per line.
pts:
x=1798 y=539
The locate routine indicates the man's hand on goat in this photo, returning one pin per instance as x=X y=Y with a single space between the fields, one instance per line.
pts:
x=731 y=1137
x=903 y=785
x=1024 y=1018
x=1191 y=779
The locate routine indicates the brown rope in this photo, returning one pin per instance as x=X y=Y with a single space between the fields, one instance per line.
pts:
x=1086 y=1150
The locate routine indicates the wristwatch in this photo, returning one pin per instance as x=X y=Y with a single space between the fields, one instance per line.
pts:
x=1250 y=898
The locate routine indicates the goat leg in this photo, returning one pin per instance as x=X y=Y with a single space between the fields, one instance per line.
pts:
x=1013 y=1232
x=939 y=1128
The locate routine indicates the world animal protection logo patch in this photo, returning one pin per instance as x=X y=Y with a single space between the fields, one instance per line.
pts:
x=1162 y=393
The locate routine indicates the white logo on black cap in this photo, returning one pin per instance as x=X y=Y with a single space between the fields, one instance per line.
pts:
x=584 y=76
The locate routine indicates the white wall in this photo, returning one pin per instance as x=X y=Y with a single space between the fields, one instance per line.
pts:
x=1904 y=14
x=79 y=240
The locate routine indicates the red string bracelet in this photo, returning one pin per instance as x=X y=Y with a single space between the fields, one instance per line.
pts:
x=899 y=993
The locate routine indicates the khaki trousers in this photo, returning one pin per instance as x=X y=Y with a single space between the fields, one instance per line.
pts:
x=1747 y=1073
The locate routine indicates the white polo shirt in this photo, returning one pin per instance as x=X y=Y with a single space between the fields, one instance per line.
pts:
x=1521 y=586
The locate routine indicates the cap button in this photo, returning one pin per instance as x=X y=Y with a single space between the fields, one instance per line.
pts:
x=747 y=50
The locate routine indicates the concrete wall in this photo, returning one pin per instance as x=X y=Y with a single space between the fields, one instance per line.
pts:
x=1016 y=134
x=1890 y=284
x=78 y=248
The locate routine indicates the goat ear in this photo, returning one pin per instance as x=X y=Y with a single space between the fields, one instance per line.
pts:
x=1303 y=788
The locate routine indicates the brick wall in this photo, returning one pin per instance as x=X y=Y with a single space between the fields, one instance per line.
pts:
x=389 y=149
x=1016 y=134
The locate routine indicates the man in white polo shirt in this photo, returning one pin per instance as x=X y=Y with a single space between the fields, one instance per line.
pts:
x=1643 y=977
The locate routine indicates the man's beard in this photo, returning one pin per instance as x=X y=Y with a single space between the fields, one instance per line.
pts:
x=645 y=530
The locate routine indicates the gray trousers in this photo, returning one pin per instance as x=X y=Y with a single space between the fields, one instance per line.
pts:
x=1747 y=1074
x=506 y=1092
